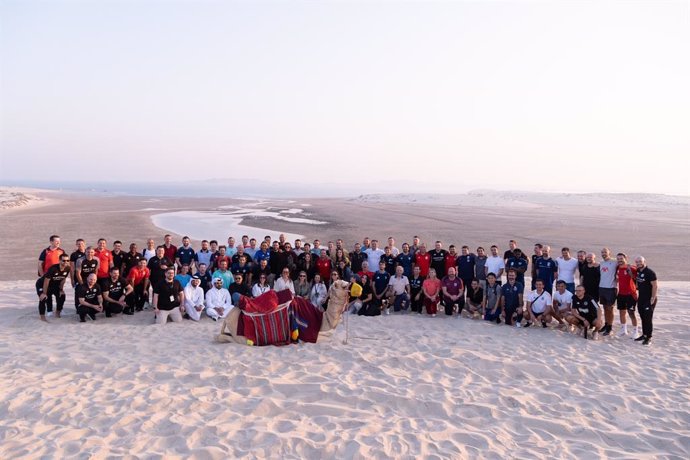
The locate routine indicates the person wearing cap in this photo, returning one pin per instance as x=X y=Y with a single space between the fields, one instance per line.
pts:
x=194 y=298
x=218 y=302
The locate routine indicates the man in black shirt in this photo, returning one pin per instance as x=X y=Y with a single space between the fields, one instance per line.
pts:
x=117 y=294
x=585 y=312
x=79 y=252
x=130 y=260
x=646 y=300
x=118 y=254
x=158 y=264
x=90 y=298
x=438 y=260
x=52 y=284
x=168 y=299
x=416 y=295
x=356 y=258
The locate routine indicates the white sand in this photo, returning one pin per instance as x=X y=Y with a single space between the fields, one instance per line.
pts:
x=422 y=388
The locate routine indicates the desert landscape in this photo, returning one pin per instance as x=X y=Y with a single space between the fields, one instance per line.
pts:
x=403 y=386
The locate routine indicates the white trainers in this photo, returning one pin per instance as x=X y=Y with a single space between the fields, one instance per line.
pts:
x=635 y=334
x=388 y=311
x=518 y=325
x=49 y=314
x=622 y=333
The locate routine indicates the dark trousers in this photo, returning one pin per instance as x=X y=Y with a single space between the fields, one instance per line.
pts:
x=82 y=311
x=140 y=295
x=416 y=304
x=509 y=312
x=448 y=304
x=112 y=307
x=47 y=303
x=646 y=310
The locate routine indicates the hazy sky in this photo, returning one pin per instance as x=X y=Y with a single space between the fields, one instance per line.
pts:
x=575 y=96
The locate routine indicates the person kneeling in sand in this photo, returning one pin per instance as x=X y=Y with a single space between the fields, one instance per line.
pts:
x=90 y=298
x=475 y=299
x=538 y=305
x=168 y=298
x=218 y=302
x=562 y=301
x=194 y=298
x=585 y=312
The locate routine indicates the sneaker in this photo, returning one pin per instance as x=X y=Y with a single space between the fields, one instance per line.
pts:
x=640 y=338
x=433 y=315
x=108 y=314
x=603 y=329
x=527 y=324
x=498 y=320
x=214 y=318
x=635 y=333
x=92 y=316
x=584 y=333
x=608 y=331
x=647 y=341
x=519 y=325
x=388 y=311
x=49 y=314
x=543 y=324
x=622 y=333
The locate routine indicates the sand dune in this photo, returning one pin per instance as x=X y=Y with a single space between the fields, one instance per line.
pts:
x=404 y=387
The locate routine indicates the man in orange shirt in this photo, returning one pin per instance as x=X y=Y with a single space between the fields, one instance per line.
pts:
x=105 y=258
x=139 y=279
x=50 y=255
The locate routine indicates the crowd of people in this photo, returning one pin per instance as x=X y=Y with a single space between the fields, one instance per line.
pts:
x=183 y=283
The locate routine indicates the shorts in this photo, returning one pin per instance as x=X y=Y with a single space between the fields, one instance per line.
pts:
x=626 y=302
x=538 y=313
x=607 y=296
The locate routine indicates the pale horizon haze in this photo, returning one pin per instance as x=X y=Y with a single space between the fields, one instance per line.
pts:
x=573 y=96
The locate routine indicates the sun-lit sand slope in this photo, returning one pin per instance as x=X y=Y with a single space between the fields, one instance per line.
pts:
x=405 y=386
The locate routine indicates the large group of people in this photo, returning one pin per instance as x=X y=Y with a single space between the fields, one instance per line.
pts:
x=576 y=293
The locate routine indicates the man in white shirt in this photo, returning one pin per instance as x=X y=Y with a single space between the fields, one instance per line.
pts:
x=399 y=290
x=194 y=298
x=218 y=302
x=562 y=302
x=495 y=264
x=374 y=254
x=538 y=305
x=566 y=269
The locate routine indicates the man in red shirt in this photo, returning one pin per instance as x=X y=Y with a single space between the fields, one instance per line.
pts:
x=50 y=255
x=105 y=258
x=627 y=294
x=324 y=266
x=422 y=259
x=170 y=249
x=139 y=279
x=451 y=258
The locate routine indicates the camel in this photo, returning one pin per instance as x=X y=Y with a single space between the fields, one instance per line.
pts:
x=337 y=303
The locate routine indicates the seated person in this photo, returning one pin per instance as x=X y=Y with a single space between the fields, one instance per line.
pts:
x=90 y=299
x=118 y=294
x=399 y=290
x=237 y=289
x=538 y=305
x=475 y=299
x=302 y=285
x=585 y=313
x=318 y=293
x=194 y=299
x=261 y=286
x=453 y=291
x=218 y=302
x=562 y=302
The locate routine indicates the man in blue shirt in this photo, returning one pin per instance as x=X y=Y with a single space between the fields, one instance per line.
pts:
x=263 y=254
x=203 y=255
x=466 y=262
x=185 y=254
x=519 y=264
x=380 y=281
x=511 y=299
x=405 y=259
x=546 y=269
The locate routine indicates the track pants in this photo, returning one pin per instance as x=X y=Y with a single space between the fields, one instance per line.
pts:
x=646 y=310
x=47 y=303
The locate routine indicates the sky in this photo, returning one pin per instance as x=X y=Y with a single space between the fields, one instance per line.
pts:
x=573 y=96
